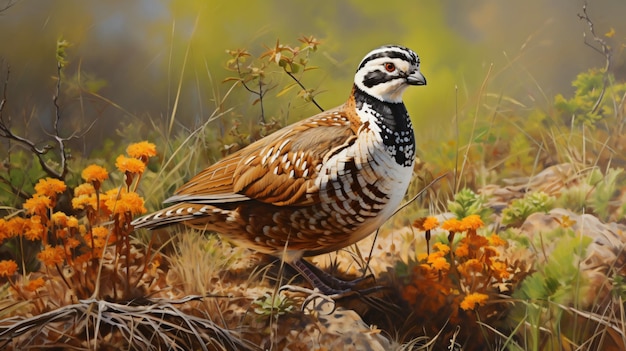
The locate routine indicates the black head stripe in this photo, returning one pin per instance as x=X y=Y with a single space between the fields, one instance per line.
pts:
x=404 y=54
x=376 y=77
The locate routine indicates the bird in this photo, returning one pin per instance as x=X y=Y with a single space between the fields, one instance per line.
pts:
x=315 y=186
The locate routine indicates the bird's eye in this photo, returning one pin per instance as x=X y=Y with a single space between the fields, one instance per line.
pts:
x=390 y=67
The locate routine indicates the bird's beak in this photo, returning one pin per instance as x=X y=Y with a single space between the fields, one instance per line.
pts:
x=416 y=78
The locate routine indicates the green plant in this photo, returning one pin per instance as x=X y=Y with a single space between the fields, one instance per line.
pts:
x=603 y=197
x=467 y=202
x=543 y=298
x=520 y=209
x=273 y=305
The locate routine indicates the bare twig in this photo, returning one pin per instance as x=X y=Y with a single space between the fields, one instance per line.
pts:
x=14 y=190
x=40 y=152
x=57 y=116
x=303 y=88
x=147 y=324
x=8 y=5
x=259 y=93
x=604 y=50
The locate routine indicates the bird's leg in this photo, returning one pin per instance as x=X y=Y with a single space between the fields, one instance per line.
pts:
x=323 y=281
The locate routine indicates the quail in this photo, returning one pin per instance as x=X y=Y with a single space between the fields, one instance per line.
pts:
x=315 y=186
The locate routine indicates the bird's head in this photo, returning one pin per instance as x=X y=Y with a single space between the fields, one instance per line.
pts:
x=386 y=72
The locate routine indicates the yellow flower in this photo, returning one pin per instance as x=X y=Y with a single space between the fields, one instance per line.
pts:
x=126 y=203
x=51 y=255
x=50 y=187
x=472 y=222
x=95 y=175
x=129 y=165
x=452 y=225
x=84 y=189
x=7 y=268
x=38 y=205
x=470 y=301
x=141 y=150
x=35 y=284
x=565 y=221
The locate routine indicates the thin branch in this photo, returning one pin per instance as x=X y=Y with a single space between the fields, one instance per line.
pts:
x=604 y=49
x=57 y=116
x=21 y=194
x=259 y=93
x=8 y=5
x=5 y=132
x=303 y=88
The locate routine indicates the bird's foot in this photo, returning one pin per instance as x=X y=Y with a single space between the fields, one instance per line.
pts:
x=328 y=284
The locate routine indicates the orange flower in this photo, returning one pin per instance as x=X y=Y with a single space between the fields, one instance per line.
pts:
x=59 y=219
x=141 y=150
x=472 y=222
x=126 y=203
x=496 y=240
x=441 y=247
x=471 y=266
x=51 y=255
x=71 y=243
x=129 y=165
x=475 y=241
x=72 y=222
x=33 y=229
x=84 y=189
x=426 y=223
x=500 y=270
x=5 y=231
x=470 y=301
x=99 y=235
x=35 y=284
x=7 y=268
x=439 y=263
x=83 y=201
x=452 y=225
x=96 y=240
x=38 y=205
x=50 y=187
x=462 y=250
x=16 y=226
x=95 y=175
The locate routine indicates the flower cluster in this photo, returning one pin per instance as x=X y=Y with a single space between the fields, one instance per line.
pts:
x=76 y=237
x=458 y=276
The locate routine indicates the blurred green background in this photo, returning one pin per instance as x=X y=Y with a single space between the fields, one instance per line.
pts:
x=128 y=58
